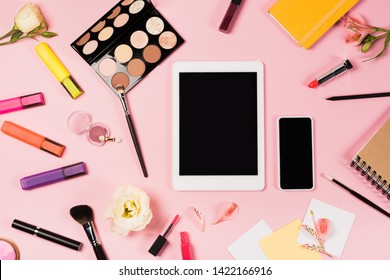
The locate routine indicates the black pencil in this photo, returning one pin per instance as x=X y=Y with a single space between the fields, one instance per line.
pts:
x=359 y=96
x=357 y=195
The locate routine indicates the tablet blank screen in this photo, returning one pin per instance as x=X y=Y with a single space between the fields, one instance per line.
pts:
x=218 y=123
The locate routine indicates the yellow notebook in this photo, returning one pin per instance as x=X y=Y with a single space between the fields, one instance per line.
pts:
x=372 y=160
x=307 y=20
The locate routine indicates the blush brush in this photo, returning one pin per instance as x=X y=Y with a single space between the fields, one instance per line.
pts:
x=83 y=214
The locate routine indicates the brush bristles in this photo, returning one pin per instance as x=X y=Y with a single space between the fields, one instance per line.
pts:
x=329 y=177
x=82 y=214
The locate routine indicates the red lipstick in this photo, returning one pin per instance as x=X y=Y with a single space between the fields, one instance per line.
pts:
x=185 y=246
x=345 y=66
x=313 y=84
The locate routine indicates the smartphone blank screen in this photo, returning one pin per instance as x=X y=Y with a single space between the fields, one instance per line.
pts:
x=296 y=153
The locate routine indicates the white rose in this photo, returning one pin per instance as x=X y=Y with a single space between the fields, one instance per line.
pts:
x=129 y=210
x=29 y=18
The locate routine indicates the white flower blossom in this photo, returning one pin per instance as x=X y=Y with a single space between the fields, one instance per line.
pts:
x=30 y=18
x=129 y=210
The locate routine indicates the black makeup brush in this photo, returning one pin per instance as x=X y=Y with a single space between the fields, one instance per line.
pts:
x=84 y=215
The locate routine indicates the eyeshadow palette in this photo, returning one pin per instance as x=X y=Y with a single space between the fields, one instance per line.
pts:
x=127 y=43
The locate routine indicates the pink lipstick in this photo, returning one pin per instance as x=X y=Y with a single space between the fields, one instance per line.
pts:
x=185 y=246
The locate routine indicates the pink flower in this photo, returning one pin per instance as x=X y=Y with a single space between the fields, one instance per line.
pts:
x=359 y=29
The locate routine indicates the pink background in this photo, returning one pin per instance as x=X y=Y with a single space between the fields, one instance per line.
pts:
x=255 y=36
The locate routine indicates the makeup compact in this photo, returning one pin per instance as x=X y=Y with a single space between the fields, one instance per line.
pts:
x=96 y=133
x=125 y=45
x=8 y=250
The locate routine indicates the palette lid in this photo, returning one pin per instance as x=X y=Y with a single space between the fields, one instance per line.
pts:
x=79 y=122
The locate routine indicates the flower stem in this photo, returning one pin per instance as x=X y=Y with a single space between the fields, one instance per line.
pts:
x=381 y=36
x=11 y=42
x=381 y=29
x=9 y=33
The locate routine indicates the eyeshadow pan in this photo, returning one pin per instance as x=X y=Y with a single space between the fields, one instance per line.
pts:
x=136 y=67
x=123 y=53
x=120 y=79
x=115 y=12
x=90 y=47
x=99 y=26
x=121 y=20
x=152 y=53
x=107 y=67
x=106 y=33
x=84 y=39
x=139 y=39
x=127 y=2
x=167 y=40
x=95 y=132
x=136 y=7
x=155 y=25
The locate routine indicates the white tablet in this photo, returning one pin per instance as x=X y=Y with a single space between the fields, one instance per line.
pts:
x=218 y=126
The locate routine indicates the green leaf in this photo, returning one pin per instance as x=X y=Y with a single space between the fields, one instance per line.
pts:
x=35 y=29
x=386 y=44
x=16 y=36
x=48 y=34
x=387 y=41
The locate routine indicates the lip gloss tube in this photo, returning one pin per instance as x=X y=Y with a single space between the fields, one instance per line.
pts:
x=21 y=102
x=58 y=69
x=48 y=235
x=230 y=15
x=32 y=138
x=53 y=176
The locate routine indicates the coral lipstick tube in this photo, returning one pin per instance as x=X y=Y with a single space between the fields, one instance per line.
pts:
x=32 y=138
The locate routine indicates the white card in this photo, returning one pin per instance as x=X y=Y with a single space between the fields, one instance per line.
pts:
x=247 y=246
x=340 y=225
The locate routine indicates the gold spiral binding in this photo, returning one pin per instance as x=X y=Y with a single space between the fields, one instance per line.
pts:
x=371 y=176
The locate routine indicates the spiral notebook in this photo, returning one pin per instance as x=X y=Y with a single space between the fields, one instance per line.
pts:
x=373 y=159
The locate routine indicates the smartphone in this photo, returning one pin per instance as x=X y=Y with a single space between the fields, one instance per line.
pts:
x=296 y=155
